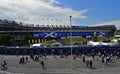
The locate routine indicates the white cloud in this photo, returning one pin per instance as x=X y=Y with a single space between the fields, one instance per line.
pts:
x=33 y=11
x=52 y=1
x=116 y=23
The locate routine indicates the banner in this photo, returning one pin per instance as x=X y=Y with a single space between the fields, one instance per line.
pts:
x=68 y=34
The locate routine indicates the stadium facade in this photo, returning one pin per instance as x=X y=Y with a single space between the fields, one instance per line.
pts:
x=18 y=30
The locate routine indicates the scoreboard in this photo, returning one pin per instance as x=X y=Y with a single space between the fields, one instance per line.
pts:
x=68 y=34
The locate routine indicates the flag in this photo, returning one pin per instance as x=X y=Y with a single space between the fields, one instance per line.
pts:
x=35 y=40
x=48 y=26
x=56 y=26
x=28 y=41
x=42 y=25
x=32 y=41
x=38 y=40
x=64 y=26
x=60 y=26
x=37 y=25
x=52 y=26
x=42 y=41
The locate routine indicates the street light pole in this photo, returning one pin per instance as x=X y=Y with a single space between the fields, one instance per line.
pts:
x=71 y=41
x=71 y=34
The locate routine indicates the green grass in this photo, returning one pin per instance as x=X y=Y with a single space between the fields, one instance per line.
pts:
x=100 y=38
x=77 y=39
x=49 y=42
x=68 y=40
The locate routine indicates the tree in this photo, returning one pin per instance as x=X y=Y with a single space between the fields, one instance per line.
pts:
x=27 y=37
x=5 y=39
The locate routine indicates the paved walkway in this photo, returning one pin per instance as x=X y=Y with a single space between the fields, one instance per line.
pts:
x=58 y=66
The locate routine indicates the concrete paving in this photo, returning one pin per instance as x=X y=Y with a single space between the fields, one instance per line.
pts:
x=59 y=66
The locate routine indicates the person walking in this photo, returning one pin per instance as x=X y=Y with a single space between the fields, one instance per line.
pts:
x=42 y=64
x=83 y=59
x=87 y=63
x=20 y=60
x=3 y=65
x=91 y=63
x=26 y=59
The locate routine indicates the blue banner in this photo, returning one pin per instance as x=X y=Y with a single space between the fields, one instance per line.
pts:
x=67 y=34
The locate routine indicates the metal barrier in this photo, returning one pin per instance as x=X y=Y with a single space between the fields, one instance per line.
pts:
x=57 y=50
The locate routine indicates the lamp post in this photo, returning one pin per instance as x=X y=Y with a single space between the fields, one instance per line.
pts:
x=71 y=41
x=71 y=34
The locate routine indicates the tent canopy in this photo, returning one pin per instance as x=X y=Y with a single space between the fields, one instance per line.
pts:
x=96 y=43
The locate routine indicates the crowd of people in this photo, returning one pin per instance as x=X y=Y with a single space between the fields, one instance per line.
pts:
x=87 y=59
x=25 y=60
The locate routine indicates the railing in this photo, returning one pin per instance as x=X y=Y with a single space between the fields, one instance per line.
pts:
x=38 y=50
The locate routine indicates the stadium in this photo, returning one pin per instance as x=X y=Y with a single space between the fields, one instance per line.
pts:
x=19 y=30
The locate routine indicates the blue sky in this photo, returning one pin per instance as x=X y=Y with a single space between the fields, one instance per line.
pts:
x=98 y=11
x=83 y=12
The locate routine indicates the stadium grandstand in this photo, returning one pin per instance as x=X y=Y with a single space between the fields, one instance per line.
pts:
x=19 y=30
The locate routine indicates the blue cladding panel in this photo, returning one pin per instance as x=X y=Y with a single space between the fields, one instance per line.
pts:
x=66 y=34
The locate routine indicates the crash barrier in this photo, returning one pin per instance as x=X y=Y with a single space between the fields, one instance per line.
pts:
x=58 y=50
